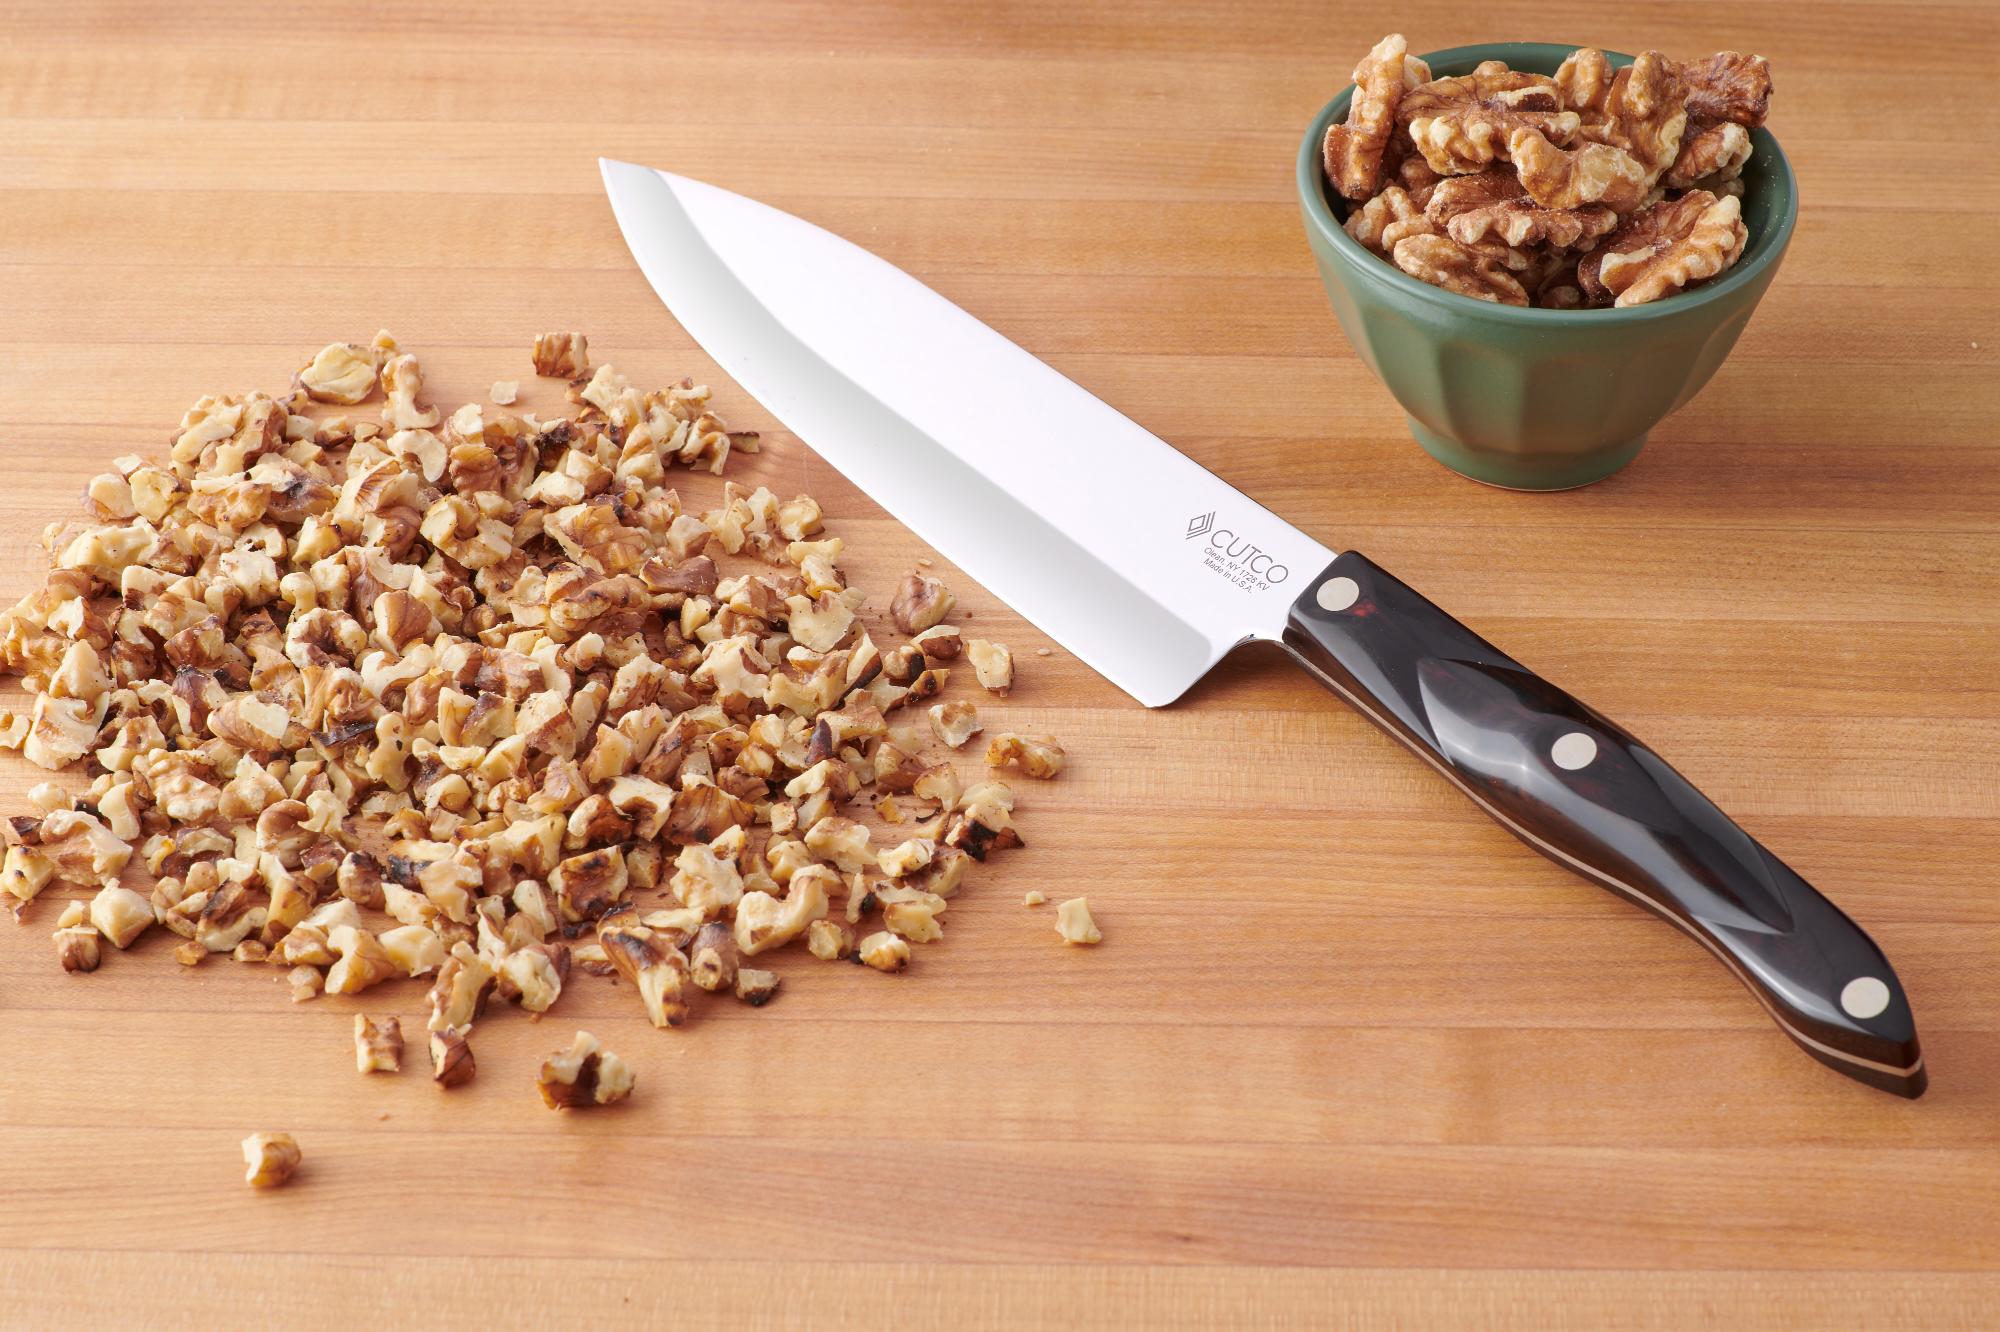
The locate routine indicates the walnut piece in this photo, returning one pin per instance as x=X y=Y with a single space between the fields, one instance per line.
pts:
x=884 y=952
x=1703 y=237
x=993 y=664
x=921 y=602
x=1494 y=204
x=829 y=940
x=756 y=988
x=1595 y=173
x=1461 y=124
x=121 y=915
x=1727 y=86
x=1388 y=217
x=1032 y=756
x=1074 y=922
x=955 y=722
x=1641 y=109
x=271 y=1159
x=1455 y=266
x=504 y=392
x=584 y=1075
x=452 y=1064
x=77 y=948
x=1352 y=153
x=1714 y=153
x=341 y=372
x=378 y=1045
x=648 y=959
x=561 y=355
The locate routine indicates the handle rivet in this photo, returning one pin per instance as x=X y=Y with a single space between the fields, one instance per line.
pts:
x=1337 y=594
x=1573 y=751
x=1864 y=997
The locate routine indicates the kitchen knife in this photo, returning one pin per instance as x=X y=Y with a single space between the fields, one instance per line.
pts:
x=980 y=449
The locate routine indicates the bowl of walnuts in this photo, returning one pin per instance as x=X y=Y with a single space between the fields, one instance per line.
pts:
x=1543 y=249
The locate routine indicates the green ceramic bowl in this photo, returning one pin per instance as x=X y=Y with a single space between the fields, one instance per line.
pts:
x=1537 y=399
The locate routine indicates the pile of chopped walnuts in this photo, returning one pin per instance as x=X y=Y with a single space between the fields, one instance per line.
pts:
x=1595 y=187
x=400 y=694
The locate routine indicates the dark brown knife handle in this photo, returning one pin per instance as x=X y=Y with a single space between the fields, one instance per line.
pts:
x=1581 y=790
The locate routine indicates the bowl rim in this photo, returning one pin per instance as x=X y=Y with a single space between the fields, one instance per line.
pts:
x=1312 y=197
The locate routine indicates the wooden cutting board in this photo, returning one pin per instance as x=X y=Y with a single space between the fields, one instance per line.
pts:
x=1348 y=1054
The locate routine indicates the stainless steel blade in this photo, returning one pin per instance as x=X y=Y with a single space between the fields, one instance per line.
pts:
x=1145 y=565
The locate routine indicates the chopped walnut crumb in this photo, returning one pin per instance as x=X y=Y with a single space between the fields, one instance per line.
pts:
x=584 y=1075
x=921 y=602
x=884 y=952
x=504 y=392
x=77 y=948
x=1074 y=923
x=754 y=987
x=955 y=722
x=561 y=355
x=271 y=1158
x=1035 y=897
x=1033 y=756
x=305 y=982
x=121 y=915
x=378 y=1045
x=829 y=940
x=452 y=1064
x=993 y=664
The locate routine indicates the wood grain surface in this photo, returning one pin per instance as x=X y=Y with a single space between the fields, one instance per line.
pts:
x=1348 y=1056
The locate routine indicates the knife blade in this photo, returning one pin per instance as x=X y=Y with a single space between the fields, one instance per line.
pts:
x=978 y=446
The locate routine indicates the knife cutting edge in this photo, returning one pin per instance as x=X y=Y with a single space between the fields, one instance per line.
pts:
x=975 y=445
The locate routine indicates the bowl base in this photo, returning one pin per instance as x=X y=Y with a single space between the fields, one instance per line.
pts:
x=1556 y=472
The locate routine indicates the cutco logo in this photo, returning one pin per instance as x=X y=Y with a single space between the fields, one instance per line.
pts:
x=1236 y=558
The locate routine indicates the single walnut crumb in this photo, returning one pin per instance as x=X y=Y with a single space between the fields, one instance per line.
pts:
x=992 y=663
x=829 y=940
x=378 y=1045
x=1033 y=756
x=755 y=987
x=191 y=953
x=941 y=642
x=920 y=603
x=1035 y=897
x=561 y=355
x=77 y=948
x=504 y=392
x=121 y=915
x=271 y=1158
x=884 y=951
x=341 y=373
x=955 y=722
x=584 y=1075
x=712 y=958
x=452 y=1064
x=305 y=983
x=1074 y=923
